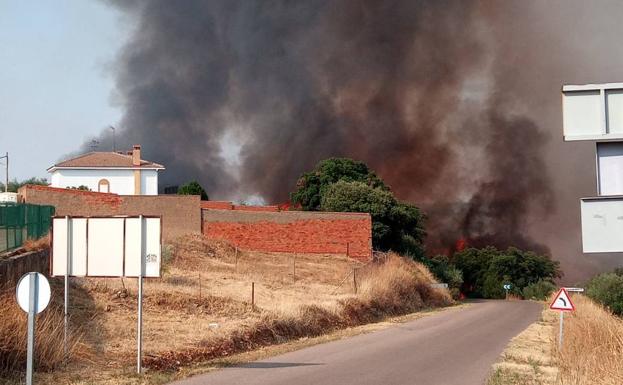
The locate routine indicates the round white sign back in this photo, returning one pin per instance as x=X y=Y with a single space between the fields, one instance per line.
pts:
x=42 y=294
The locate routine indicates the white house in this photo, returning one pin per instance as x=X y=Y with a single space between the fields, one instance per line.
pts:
x=115 y=172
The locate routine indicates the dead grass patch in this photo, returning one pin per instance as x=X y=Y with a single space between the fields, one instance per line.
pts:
x=529 y=357
x=593 y=346
x=49 y=335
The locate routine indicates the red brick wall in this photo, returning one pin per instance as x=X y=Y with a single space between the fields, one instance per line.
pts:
x=181 y=214
x=292 y=231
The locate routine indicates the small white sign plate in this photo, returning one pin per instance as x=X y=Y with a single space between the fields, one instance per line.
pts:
x=22 y=292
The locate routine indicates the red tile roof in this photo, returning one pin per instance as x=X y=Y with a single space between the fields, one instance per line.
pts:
x=104 y=159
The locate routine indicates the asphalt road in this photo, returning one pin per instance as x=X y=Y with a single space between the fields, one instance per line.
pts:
x=457 y=346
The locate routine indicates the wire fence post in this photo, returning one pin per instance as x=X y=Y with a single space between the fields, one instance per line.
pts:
x=253 y=296
x=294 y=268
x=355 y=279
x=236 y=259
x=199 y=286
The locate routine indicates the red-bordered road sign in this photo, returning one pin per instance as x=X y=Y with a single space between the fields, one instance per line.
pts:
x=562 y=301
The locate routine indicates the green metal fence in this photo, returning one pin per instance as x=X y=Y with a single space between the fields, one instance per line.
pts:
x=22 y=221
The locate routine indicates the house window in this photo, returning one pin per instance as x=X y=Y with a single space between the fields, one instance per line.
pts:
x=103 y=186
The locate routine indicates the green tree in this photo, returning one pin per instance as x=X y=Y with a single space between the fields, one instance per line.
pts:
x=486 y=270
x=193 y=188
x=311 y=186
x=14 y=185
x=396 y=225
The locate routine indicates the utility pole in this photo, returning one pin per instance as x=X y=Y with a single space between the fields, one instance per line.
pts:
x=113 y=139
x=6 y=184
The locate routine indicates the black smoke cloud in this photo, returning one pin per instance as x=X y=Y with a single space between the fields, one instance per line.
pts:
x=428 y=93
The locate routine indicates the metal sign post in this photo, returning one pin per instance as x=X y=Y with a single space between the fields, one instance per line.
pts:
x=33 y=295
x=66 y=293
x=562 y=302
x=562 y=320
x=139 y=354
x=32 y=305
x=507 y=287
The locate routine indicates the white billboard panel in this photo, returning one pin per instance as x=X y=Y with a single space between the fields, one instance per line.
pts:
x=151 y=244
x=593 y=111
x=602 y=224
x=107 y=246
x=78 y=265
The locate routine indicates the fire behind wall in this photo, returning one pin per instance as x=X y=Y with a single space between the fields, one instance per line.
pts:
x=454 y=103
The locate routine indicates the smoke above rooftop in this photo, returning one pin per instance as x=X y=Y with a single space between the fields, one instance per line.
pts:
x=455 y=104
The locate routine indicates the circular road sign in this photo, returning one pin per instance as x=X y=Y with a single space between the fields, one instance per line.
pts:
x=22 y=292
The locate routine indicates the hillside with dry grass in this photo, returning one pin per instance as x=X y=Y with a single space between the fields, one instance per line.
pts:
x=201 y=309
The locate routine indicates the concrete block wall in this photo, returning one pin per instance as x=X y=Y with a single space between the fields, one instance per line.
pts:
x=291 y=231
x=12 y=268
x=181 y=214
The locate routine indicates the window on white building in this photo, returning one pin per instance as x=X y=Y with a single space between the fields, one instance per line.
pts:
x=103 y=186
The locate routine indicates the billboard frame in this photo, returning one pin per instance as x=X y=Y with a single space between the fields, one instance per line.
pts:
x=51 y=261
x=69 y=223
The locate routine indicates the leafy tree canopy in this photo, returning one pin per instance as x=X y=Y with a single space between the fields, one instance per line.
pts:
x=14 y=185
x=396 y=225
x=486 y=270
x=193 y=188
x=312 y=185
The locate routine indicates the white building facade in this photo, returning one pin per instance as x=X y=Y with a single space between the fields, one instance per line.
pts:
x=109 y=172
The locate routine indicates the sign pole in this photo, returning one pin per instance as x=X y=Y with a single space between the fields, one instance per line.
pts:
x=32 y=309
x=66 y=293
x=562 y=317
x=140 y=300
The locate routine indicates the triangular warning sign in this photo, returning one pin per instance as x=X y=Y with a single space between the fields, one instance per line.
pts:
x=562 y=301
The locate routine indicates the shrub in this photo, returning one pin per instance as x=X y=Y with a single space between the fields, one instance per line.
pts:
x=540 y=290
x=607 y=289
x=441 y=268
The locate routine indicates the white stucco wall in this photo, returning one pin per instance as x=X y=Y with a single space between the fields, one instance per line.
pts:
x=149 y=182
x=121 y=180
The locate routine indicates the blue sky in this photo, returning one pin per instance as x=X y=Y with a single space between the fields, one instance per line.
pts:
x=56 y=85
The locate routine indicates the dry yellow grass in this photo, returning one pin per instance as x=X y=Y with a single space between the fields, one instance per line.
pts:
x=37 y=244
x=591 y=354
x=593 y=346
x=529 y=357
x=48 y=338
x=200 y=309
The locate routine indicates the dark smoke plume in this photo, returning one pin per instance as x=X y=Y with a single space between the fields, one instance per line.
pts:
x=246 y=95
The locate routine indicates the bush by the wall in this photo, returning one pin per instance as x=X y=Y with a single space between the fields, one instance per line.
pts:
x=607 y=289
x=445 y=272
x=539 y=291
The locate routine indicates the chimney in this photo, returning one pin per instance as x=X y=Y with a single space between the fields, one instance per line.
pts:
x=136 y=155
x=136 y=161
